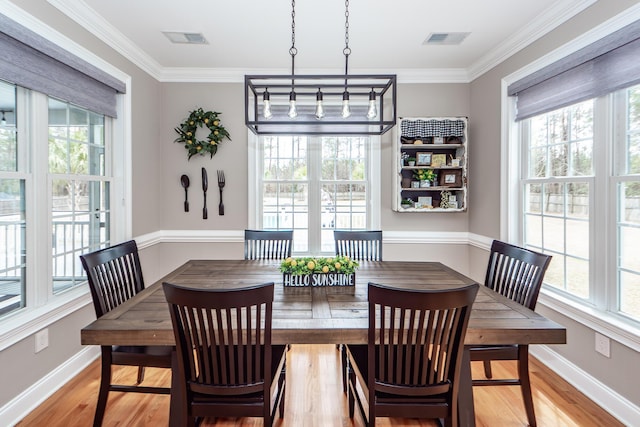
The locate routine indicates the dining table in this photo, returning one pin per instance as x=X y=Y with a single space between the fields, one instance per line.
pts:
x=324 y=314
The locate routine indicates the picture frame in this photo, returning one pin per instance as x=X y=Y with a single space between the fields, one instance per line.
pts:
x=451 y=178
x=426 y=201
x=438 y=160
x=423 y=158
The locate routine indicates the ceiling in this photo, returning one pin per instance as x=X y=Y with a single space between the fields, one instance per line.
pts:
x=385 y=36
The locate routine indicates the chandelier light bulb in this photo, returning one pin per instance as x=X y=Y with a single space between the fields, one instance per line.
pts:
x=372 y=112
x=293 y=110
x=346 y=109
x=266 y=104
x=319 y=106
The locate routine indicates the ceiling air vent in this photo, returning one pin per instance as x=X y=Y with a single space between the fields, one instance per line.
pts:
x=445 y=38
x=185 y=38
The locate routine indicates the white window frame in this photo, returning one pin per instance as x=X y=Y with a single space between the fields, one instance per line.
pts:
x=598 y=317
x=255 y=165
x=43 y=308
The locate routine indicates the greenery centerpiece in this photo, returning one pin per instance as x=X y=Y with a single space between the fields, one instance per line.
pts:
x=312 y=271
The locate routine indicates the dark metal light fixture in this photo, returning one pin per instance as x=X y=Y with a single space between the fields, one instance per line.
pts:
x=320 y=104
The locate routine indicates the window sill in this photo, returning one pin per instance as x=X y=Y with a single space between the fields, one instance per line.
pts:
x=600 y=321
x=26 y=322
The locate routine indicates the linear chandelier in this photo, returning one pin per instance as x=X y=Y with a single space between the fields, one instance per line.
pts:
x=320 y=104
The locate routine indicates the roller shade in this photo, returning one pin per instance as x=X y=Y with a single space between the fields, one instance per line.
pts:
x=603 y=67
x=31 y=61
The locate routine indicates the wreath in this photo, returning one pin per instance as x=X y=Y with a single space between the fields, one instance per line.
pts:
x=187 y=132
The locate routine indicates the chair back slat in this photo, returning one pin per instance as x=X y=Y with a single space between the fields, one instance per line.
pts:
x=114 y=275
x=223 y=338
x=416 y=338
x=517 y=273
x=359 y=245
x=265 y=244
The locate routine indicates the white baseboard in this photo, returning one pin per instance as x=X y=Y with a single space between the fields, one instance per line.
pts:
x=20 y=406
x=615 y=404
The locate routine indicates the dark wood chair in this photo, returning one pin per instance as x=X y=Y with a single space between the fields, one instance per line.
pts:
x=410 y=367
x=227 y=366
x=516 y=273
x=114 y=276
x=359 y=245
x=266 y=244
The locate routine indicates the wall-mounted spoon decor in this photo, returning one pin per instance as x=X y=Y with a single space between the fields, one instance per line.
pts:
x=205 y=185
x=184 y=180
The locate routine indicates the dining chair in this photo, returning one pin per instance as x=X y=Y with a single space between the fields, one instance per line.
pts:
x=114 y=276
x=267 y=244
x=227 y=366
x=411 y=365
x=363 y=245
x=517 y=273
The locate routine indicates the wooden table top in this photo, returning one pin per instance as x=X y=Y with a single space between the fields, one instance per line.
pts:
x=319 y=315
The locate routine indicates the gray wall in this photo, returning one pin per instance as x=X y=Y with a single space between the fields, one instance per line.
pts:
x=616 y=371
x=159 y=107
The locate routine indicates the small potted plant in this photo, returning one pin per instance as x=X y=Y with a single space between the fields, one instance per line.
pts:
x=406 y=203
x=425 y=176
x=411 y=161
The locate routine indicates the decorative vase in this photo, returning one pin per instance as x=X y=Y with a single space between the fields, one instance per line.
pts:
x=406 y=182
x=425 y=184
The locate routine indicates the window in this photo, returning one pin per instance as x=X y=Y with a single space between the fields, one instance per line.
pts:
x=70 y=175
x=627 y=200
x=12 y=208
x=581 y=186
x=314 y=185
x=79 y=189
x=557 y=188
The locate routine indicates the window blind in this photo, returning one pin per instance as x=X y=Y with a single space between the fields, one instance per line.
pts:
x=605 y=66
x=34 y=62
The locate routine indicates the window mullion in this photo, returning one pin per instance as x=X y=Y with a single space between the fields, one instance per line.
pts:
x=39 y=254
x=314 y=175
x=600 y=207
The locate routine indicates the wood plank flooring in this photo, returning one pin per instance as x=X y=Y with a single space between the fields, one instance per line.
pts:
x=314 y=398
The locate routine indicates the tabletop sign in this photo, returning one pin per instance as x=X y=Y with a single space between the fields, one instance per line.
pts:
x=319 y=279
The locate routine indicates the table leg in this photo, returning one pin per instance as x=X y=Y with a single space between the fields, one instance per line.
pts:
x=178 y=400
x=466 y=413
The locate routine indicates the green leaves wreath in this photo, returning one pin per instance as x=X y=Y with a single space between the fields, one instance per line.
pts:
x=200 y=118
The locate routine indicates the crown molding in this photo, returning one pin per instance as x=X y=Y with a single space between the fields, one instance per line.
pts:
x=81 y=13
x=87 y=18
x=553 y=17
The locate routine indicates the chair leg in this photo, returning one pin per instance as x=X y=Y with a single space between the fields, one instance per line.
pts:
x=140 y=375
x=282 y=384
x=351 y=392
x=343 y=357
x=525 y=383
x=105 y=383
x=487 y=368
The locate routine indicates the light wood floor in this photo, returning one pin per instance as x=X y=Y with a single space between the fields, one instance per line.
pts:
x=314 y=398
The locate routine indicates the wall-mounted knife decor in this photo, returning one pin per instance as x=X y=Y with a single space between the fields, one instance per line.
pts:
x=205 y=186
x=184 y=180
